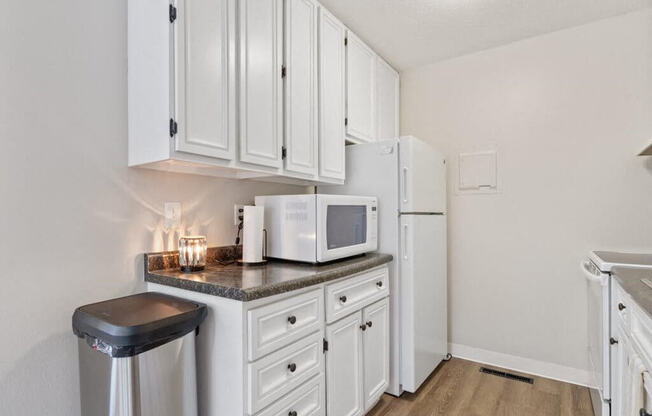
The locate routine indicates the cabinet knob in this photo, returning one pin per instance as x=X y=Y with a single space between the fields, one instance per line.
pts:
x=379 y=284
x=292 y=320
x=343 y=299
x=363 y=327
x=645 y=413
x=292 y=367
x=621 y=307
x=292 y=413
x=369 y=324
x=613 y=341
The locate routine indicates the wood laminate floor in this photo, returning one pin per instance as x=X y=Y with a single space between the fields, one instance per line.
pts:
x=458 y=388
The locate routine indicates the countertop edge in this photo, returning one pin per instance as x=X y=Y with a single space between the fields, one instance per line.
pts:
x=250 y=294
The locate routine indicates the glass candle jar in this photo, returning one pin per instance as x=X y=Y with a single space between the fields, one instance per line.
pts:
x=192 y=253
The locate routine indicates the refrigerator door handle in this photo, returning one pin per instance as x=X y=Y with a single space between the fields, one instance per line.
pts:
x=405 y=184
x=405 y=241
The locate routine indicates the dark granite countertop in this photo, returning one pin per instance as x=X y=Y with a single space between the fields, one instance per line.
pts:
x=252 y=282
x=630 y=279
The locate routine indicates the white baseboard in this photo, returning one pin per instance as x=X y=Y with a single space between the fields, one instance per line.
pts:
x=523 y=365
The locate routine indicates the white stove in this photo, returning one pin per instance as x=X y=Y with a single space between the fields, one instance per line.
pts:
x=597 y=271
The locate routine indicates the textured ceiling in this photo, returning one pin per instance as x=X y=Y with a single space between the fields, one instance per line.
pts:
x=410 y=33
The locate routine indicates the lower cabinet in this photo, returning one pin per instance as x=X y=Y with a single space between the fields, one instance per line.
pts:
x=283 y=356
x=631 y=356
x=375 y=351
x=357 y=361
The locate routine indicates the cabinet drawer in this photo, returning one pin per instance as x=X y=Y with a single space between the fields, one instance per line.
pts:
x=272 y=377
x=307 y=400
x=345 y=297
x=273 y=326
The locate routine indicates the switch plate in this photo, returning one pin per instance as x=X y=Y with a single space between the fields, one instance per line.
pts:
x=237 y=213
x=172 y=213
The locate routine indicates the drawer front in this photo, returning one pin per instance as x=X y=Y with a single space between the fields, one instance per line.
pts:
x=274 y=326
x=350 y=295
x=279 y=373
x=307 y=400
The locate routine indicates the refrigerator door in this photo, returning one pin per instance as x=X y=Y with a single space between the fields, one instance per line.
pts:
x=422 y=174
x=423 y=286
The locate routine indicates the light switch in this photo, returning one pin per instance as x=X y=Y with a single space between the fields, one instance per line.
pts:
x=478 y=171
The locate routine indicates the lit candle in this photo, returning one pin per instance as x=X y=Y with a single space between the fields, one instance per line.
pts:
x=192 y=253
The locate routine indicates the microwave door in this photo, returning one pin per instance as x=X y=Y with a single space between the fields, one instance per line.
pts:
x=347 y=226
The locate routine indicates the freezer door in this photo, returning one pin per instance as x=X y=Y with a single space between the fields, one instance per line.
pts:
x=424 y=336
x=422 y=177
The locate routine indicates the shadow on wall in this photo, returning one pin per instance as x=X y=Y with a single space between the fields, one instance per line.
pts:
x=648 y=163
x=52 y=381
x=50 y=370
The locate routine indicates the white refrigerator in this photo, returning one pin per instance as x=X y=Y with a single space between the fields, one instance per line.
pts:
x=408 y=177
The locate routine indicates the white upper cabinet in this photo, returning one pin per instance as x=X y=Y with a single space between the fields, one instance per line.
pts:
x=204 y=112
x=387 y=98
x=361 y=85
x=261 y=87
x=332 y=96
x=267 y=89
x=301 y=117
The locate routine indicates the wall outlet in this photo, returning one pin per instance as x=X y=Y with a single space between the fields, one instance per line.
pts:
x=172 y=213
x=238 y=211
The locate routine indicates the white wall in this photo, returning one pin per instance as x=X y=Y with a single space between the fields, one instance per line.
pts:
x=567 y=112
x=73 y=218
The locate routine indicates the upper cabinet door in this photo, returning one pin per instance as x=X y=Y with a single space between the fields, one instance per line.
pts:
x=375 y=351
x=387 y=99
x=301 y=117
x=261 y=86
x=360 y=82
x=332 y=96
x=205 y=79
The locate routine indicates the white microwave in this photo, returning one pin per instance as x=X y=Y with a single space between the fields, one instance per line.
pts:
x=317 y=228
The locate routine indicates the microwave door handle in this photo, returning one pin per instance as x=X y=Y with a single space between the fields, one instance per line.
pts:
x=405 y=184
x=405 y=241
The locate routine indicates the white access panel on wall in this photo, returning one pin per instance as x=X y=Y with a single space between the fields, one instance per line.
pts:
x=478 y=172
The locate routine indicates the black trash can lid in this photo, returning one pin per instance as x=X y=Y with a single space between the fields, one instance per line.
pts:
x=131 y=325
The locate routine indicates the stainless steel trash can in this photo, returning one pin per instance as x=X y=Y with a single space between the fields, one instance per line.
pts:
x=137 y=356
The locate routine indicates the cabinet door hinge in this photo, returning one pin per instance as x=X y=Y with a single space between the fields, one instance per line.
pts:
x=284 y=152
x=283 y=71
x=346 y=41
x=173 y=13
x=173 y=127
x=346 y=121
x=325 y=345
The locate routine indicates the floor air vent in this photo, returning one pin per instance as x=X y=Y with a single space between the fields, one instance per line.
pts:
x=506 y=375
